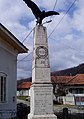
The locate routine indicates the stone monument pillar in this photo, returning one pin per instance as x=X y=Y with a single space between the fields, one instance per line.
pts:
x=41 y=99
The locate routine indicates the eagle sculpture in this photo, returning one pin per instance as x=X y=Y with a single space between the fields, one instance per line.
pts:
x=40 y=15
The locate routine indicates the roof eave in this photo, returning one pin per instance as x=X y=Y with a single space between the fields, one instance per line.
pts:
x=11 y=39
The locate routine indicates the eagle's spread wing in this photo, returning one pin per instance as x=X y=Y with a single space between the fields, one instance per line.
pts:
x=50 y=13
x=35 y=9
x=37 y=12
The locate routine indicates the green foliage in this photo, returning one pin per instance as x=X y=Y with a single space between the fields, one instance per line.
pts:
x=22 y=97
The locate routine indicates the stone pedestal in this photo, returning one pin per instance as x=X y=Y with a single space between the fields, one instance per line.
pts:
x=41 y=99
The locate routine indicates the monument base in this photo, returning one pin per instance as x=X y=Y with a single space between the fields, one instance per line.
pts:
x=51 y=116
x=41 y=102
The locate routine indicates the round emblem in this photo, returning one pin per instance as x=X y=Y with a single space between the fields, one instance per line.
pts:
x=41 y=52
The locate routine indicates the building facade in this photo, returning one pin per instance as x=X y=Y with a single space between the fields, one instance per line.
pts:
x=24 y=89
x=73 y=86
x=10 y=47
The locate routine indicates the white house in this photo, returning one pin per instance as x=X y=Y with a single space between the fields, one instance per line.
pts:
x=24 y=89
x=10 y=47
x=72 y=85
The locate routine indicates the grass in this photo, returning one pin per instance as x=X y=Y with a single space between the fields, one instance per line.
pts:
x=22 y=97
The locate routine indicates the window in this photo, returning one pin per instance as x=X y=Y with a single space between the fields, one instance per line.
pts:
x=2 y=87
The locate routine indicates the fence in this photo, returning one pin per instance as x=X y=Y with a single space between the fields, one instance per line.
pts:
x=7 y=114
x=69 y=114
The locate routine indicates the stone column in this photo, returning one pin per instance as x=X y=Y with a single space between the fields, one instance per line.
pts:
x=41 y=99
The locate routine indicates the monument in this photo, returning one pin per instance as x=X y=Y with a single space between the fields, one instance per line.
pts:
x=41 y=97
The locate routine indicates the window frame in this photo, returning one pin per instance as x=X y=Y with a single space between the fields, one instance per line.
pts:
x=3 y=87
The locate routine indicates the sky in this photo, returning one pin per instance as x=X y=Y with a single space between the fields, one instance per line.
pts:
x=65 y=33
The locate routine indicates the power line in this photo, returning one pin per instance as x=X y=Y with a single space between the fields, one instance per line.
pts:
x=25 y=60
x=70 y=47
x=27 y=36
x=23 y=42
x=55 y=5
x=24 y=57
x=53 y=10
x=62 y=18
x=53 y=29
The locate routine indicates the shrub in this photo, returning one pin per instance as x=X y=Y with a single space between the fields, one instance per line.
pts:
x=22 y=110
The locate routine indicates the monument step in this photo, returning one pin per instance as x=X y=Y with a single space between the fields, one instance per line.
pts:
x=49 y=116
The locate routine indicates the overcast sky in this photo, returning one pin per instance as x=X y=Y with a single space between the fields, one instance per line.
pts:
x=66 y=32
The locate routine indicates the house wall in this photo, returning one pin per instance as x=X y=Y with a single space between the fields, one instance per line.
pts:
x=76 y=97
x=69 y=99
x=78 y=92
x=79 y=99
x=8 y=65
x=23 y=93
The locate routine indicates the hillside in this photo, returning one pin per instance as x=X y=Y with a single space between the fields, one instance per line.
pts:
x=67 y=72
x=70 y=71
x=26 y=80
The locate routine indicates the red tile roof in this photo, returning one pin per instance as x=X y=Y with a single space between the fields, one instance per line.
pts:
x=77 y=80
x=24 y=85
x=60 y=79
x=69 y=80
